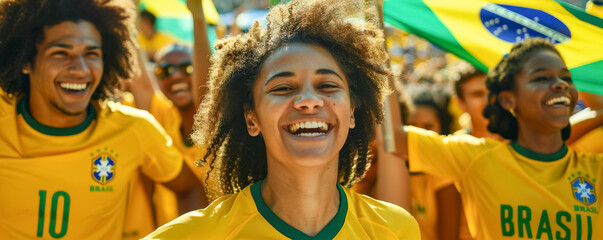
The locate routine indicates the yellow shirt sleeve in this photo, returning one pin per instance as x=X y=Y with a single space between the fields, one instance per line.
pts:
x=591 y=142
x=166 y=114
x=444 y=156
x=162 y=162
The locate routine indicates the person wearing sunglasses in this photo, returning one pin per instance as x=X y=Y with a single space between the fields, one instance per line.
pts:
x=173 y=72
x=168 y=91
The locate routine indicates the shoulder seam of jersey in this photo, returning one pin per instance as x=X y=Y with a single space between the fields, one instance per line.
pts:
x=378 y=224
x=133 y=129
x=472 y=162
x=237 y=229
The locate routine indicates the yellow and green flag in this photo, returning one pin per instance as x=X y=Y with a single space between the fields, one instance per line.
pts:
x=175 y=20
x=482 y=31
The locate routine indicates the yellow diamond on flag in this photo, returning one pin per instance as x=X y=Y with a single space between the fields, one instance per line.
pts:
x=482 y=31
x=178 y=9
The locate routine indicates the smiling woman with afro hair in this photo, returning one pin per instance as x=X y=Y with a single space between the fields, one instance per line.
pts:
x=287 y=118
x=353 y=42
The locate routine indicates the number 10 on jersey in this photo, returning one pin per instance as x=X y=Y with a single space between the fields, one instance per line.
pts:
x=54 y=205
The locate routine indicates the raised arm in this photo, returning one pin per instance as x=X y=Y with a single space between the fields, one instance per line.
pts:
x=202 y=50
x=587 y=120
x=190 y=191
x=392 y=181
x=142 y=86
x=392 y=178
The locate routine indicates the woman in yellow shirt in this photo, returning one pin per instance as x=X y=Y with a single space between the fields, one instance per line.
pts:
x=534 y=186
x=288 y=115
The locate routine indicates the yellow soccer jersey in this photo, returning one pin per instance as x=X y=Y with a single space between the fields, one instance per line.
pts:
x=245 y=216
x=140 y=217
x=423 y=188
x=591 y=142
x=166 y=202
x=147 y=210
x=510 y=192
x=72 y=183
x=168 y=116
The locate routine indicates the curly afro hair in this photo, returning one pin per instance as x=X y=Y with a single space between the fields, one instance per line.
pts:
x=502 y=78
x=22 y=24
x=347 y=29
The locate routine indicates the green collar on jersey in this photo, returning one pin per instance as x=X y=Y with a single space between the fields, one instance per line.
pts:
x=23 y=109
x=328 y=232
x=539 y=156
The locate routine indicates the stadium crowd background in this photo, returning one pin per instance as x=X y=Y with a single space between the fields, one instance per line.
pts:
x=428 y=81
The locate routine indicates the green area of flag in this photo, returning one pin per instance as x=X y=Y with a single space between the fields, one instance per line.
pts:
x=416 y=17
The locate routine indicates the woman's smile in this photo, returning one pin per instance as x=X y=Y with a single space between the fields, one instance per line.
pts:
x=309 y=128
x=302 y=105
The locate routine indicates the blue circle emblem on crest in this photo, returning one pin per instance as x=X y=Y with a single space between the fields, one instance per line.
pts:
x=514 y=24
x=583 y=190
x=103 y=169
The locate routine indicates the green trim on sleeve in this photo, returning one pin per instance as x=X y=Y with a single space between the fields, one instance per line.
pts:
x=539 y=156
x=328 y=232
x=23 y=109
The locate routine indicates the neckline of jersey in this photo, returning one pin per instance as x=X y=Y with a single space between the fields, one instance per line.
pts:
x=23 y=109
x=559 y=154
x=328 y=232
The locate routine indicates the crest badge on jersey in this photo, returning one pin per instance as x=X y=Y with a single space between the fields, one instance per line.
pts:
x=103 y=168
x=583 y=190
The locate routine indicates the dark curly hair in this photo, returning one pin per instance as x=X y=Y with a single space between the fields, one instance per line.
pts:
x=502 y=78
x=436 y=96
x=22 y=24
x=347 y=29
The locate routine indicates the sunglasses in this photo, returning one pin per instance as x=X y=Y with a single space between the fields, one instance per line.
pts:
x=165 y=70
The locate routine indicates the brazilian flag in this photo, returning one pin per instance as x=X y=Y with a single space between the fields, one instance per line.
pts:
x=482 y=31
x=175 y=20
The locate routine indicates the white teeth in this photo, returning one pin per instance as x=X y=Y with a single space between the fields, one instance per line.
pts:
x=314 y=134
x=563 y=100
x=322 y=127
x=179 y=87
x=74 y=86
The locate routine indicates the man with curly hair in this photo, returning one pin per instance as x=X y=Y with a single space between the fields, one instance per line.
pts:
x=288 y=114
x=67 y=156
